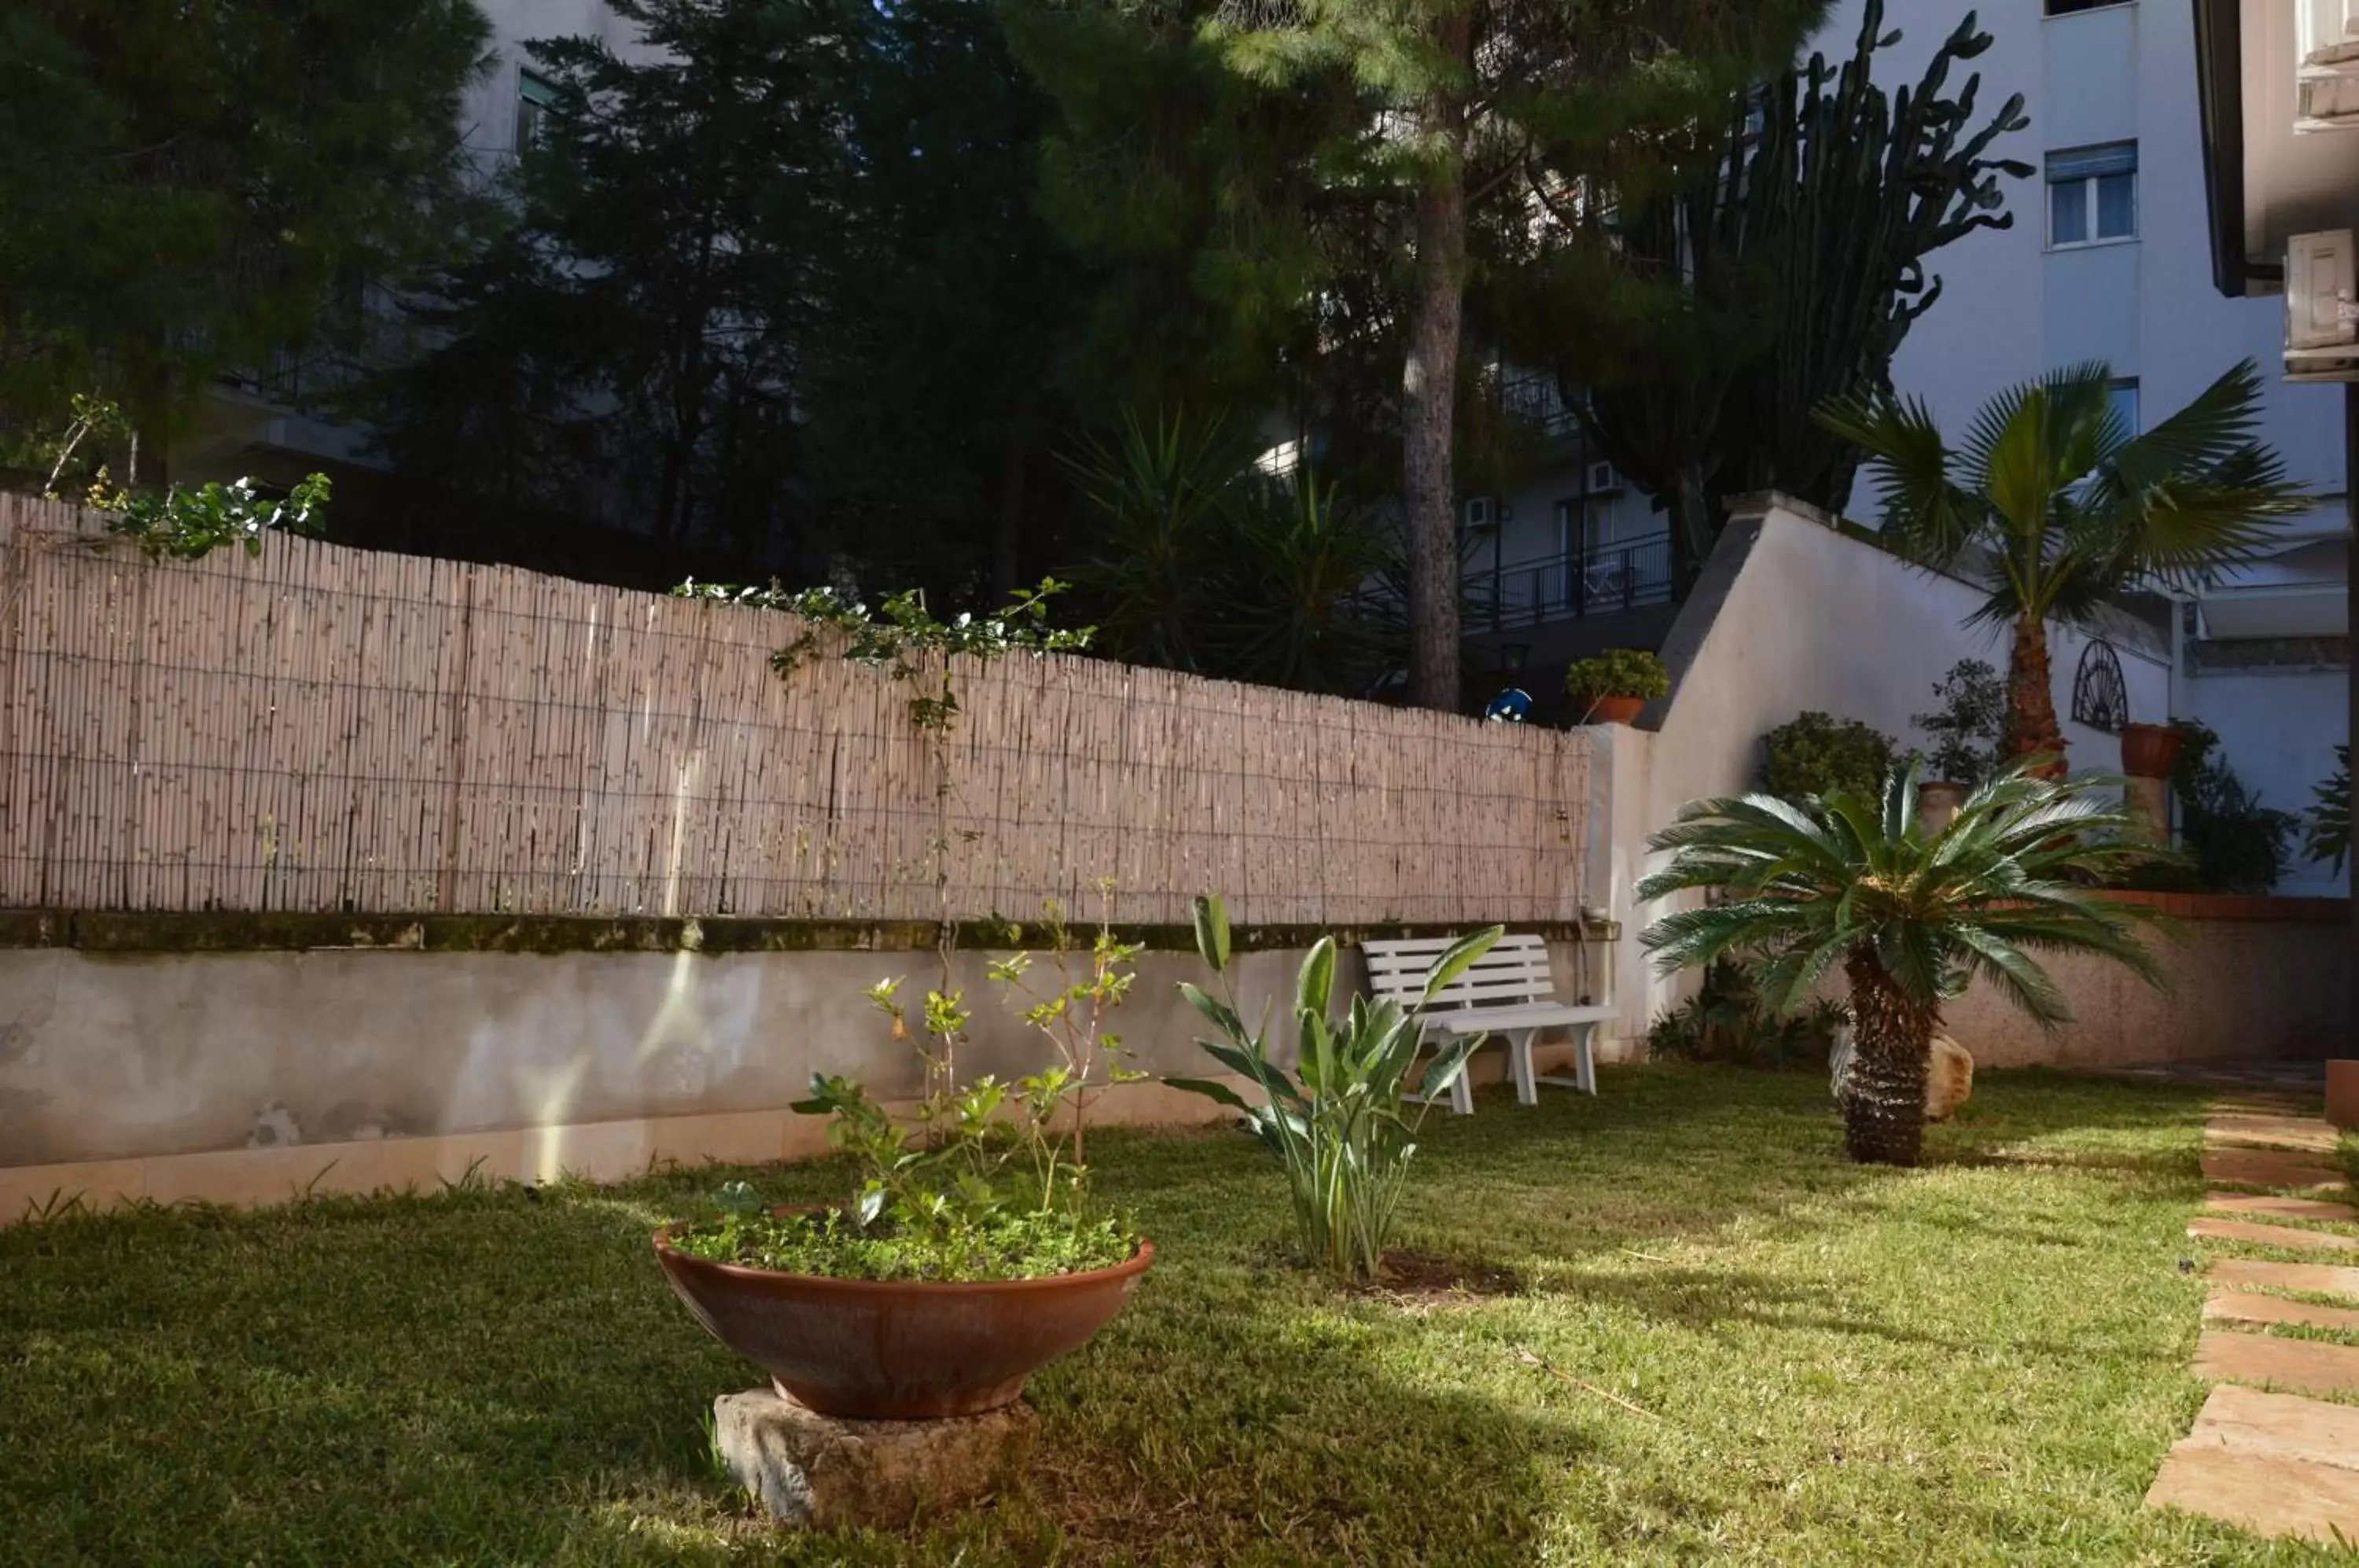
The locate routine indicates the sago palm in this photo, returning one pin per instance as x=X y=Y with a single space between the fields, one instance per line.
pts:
x=1851 y=882
x=2054 y=502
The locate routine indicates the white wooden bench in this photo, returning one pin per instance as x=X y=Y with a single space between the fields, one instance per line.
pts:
x=1509 y=992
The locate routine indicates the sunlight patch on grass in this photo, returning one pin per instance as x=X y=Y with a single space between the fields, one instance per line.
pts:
x=1718 y=1342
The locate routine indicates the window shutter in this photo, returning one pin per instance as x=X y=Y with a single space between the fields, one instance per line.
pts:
x=2083 y=163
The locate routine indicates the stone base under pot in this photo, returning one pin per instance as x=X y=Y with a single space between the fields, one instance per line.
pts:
x=828 y=1473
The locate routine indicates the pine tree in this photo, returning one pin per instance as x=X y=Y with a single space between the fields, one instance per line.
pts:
x=1359 y=147
x=191 y=187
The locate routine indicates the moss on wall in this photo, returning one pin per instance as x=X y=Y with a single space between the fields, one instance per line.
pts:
x=223 y=930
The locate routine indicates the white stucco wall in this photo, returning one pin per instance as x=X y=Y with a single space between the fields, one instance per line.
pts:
x=1813 y=619
x=2278 y=729
x=488 y=117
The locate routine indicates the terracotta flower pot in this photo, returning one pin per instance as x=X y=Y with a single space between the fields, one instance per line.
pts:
x=897 y=1350
x=1615 y=710
x=2150 y=751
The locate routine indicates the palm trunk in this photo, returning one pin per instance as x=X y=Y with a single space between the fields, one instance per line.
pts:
x=1892 y=1049
x=1428 y=397
x=2031 y=727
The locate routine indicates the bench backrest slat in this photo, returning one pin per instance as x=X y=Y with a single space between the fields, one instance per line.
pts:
x=1515 y=971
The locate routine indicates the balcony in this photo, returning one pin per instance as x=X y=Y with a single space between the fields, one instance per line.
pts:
x=1532 y=399
x=1606 y=580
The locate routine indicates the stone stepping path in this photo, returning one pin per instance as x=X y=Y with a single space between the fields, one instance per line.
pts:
x=2250 y=1307
x=2284 y=1208
x=2278 y=1462
x=2208 y=1229
x=2304 y=1365
x=2323 y=1279
x=2271 y=1463
x=2271 y=1167
x=2272 y=1131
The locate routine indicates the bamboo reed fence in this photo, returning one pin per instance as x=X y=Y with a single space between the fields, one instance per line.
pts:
x=329 y=728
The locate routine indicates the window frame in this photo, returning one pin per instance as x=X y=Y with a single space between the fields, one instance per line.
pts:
x=2090 y=205
x=2048 y=13
x=2129 y=384
x=536 y=98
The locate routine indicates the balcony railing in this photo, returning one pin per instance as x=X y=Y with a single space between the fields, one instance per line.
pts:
x=1564 y=587
x=1532 y=398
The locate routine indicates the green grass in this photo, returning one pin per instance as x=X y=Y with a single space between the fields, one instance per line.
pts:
x=1703 y=1337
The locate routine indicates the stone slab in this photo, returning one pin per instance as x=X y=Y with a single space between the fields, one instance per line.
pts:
x=2251 y=1420
x=2325 y=1279
x=2269 y=1168
x=2211 y=1229
x=2305 y=1365
x=2271 y=1131
x=2260 y=1492
x=2248 y=1307
x=2282 y=1208
x=825 y=1473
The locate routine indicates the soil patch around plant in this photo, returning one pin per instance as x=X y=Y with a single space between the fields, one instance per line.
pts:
x=1430 y=1278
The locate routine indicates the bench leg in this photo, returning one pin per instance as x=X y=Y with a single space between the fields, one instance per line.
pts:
x=1585 y=1061
x=1519 y=1065
x=1461 y=1091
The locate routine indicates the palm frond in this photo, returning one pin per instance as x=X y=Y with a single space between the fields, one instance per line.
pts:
x=2223 y=419
x=1811 y=884
x=1926 y=512
x=2017 y=977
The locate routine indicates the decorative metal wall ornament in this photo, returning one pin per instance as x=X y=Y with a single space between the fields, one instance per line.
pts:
x=2099 y=698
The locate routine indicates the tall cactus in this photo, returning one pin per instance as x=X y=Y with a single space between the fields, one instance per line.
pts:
x=1799 y=247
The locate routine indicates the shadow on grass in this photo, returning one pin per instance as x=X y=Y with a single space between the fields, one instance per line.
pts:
x=487 y=1376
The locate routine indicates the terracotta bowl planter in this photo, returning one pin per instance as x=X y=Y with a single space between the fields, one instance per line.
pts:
x=1615 y=710
x=882 y=1350
x=2150 y=751
x=1937 y=803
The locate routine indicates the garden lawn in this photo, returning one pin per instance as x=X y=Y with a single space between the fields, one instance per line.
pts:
x=1714 y=1340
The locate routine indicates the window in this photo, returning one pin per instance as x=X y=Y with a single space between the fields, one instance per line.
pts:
x=2066 y=8
x=2125 y=403
x=2093 y=195
x=535 y=101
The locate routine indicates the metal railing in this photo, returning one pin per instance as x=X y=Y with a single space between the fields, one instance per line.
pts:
x=1533 y=398
x=1565 y=587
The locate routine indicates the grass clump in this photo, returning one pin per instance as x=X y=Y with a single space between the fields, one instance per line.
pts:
x=1000 y=1246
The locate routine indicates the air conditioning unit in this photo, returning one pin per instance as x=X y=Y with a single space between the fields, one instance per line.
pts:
x=2322 y=305
x=1483 y=512
x=2327 y=79
x=1603 y=479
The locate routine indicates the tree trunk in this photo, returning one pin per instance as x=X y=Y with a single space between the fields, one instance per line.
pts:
x=1892 y=1048
x=1008 y=531
x=1428 y=398
x=2031 y=727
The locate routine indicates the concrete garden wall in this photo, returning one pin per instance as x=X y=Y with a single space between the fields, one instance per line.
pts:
x=1794 y=611
x=146 y=1057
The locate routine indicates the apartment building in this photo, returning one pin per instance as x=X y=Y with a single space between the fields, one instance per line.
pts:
x=2110 y=259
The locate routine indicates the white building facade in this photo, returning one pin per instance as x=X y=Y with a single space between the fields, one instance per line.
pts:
x=2109 y=259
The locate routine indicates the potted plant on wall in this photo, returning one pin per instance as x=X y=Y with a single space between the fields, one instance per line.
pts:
x=970 y=1254
x=1965 y=732
x=1611 y=688
x=2151 y=751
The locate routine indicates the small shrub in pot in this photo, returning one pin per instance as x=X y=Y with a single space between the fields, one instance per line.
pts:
x=1964 y=729
x=1815 y=755
x=969 y=1252
x=1613 y=686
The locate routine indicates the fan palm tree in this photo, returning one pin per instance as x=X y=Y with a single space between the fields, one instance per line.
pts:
x=1846 y=881
x=2055 y=502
